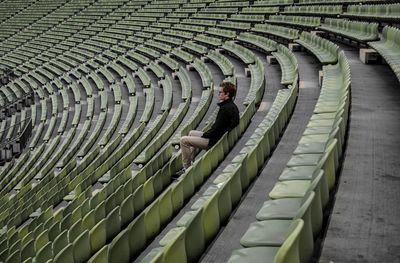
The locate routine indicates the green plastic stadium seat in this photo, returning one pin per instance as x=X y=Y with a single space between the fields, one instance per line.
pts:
x=66 y=255
x=194 y=242
x=174 y=245
x=119 y=248
x=287 y=252
x=82 y=250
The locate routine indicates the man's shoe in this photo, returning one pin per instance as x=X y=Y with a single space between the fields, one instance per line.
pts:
x=178 y=174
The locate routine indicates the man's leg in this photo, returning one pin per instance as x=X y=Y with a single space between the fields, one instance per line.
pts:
x=195 y=150
x=189 y=144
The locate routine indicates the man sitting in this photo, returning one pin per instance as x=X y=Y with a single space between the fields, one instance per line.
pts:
x=227 y=119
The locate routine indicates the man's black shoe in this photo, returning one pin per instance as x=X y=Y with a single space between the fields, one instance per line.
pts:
x=178 y=174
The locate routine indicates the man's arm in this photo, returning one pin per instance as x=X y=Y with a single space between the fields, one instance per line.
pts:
x=219 y=126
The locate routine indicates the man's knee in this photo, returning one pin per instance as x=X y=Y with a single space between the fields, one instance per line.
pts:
x=184 y=140
x=195 y=133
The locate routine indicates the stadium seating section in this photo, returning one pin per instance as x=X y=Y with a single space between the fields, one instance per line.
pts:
x=107 y=88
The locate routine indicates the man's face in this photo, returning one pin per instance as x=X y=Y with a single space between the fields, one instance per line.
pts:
x=222 y=96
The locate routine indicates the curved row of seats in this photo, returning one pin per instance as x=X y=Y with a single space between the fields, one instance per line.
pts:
x=304 y=186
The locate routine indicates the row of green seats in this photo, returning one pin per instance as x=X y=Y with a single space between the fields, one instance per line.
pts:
x=257 y=84
x=199 y=22
x=63 y=122
x=302 y=21
x=183 y=13
x=129 y=82
x=230 y=4
x=169 y=37
x=272 y=2
x=190 y=28
x=144 y=77
x=106 y=74
x=278 y=31
x=186 y=83
x=169 y=62
x=204 y=72
x=288 y=63
x=208 y=40
x=166 y=85
x=315 y=10
x=222 y=62
x=115 y=67
x=244 y=54
x=97 y=81
x=303 y=188
x=130 y=117
x=381 y=12
x=194 y=4
x=359 y=31
x=262 y=43
x=137 y=57
x=182 y=55
x=50 y=128
x=222 y=33
x=247 y=17
x=218 y=15
x=149 y=106
x=156 y=69
x=83 y=149
x=307 y=2
x=260 y=10
x=219 y=10
x=43 y=120
x=159 y=45
x=112 y=127
x=156 y=27
x=244 y=26
x=388 y=47
x=195 y=48
x=325 y=50
x=149 y=52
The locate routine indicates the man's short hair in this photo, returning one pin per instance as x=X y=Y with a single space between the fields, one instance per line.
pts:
x=229 y=87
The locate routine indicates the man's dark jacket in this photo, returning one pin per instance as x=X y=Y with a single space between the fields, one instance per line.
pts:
x=227 y=119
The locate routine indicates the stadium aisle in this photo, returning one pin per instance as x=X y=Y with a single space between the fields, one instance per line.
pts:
x=229 y=236
x=364 y=225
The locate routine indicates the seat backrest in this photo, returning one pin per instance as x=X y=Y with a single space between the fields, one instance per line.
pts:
x=289 y=251
x=304 y=210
